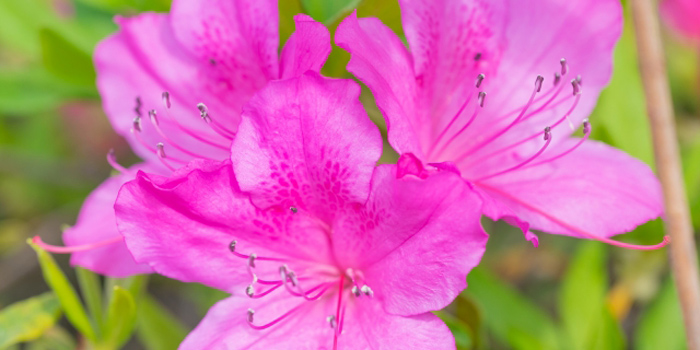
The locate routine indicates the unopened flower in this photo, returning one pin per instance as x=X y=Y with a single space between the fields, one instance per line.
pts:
x=493 y=90
x=173 y=85
x=683 y=16
x=319 y=248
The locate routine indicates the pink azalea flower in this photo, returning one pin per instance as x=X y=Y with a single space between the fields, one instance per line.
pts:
x=319 y=248
x=513 y=145
x=683 y=16
x=219 y=53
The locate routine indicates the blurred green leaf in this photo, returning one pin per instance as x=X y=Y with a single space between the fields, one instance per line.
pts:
x=55 y=338
x=661 y=325
x=509 y=316
x=582 y=302
x=620 y=117
x=328 y=11
x=65 y=60
x=460 y=329
x=121 y=318
x=130 y=5
x=288 y=9
x=73 y=308
x=28 y=319
x=158 y=328
x=89 y=283
x=691 y=172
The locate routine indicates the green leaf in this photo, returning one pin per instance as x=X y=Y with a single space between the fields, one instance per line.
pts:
x=28 y=319
x=328 y=11
x=462 y=332
x=586 y=319
x=55 y=338
x=130 y=5
x=73 y=308
x=661 y=325
x=158 y=328
x=509 y=316
x=121 y=318
x=620 y=117
x=89 y=283
x=691 y=172
x=65 y=60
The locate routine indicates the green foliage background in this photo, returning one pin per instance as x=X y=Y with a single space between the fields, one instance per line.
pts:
x=567 y=294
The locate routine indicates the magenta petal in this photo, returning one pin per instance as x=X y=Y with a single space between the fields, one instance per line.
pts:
x=413 y=238
x=183 y=225
x=369 y=327
x=225 y=325
x=96 y=223
x=242 y=36
x=595 y=191
x=307 y=48
x=683 y=16
x=306 y=143
x=381 y=61
x=149 y=62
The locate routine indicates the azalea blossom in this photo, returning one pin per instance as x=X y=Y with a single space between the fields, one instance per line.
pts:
x=683 y=16
x=173 y=85
x=319 y=248
x=494 y=90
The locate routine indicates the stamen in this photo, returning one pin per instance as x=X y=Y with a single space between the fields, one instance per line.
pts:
x=294 y=210
x=479 y=80
x=557 y=78
x=166 y=102
x=232 y=248
x=154 y=120
x=331 y=321
x=137 y=108
x=136 y=124
x=75 y=248
x=251 y=312
x=577 y=86
x=356 y=291
x=538 y=82
x=166 y=99
x=218 y=128
x=548 y=139
x=481 y=98
x=586 y=133
x=251 y=260
x=367 y=291
x=250 y=290
x=112 y=160
x=160 y=151
x=564 y=66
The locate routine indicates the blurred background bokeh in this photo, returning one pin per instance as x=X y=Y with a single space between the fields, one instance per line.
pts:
x=566 y=294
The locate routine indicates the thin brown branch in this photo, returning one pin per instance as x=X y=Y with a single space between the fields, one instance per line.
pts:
x=677 y=214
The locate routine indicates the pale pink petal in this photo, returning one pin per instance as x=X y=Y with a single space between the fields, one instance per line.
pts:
x=380 y=60
x=415 y=240
x=96 y=224
x=183 y=225
x=594 y=191
x=306 y=143
x=307 y=48
x=225 y=325
x=142 y=61
x=242 y=36
x=683 y=16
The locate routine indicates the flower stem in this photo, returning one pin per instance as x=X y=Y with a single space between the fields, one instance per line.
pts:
x=684 y=260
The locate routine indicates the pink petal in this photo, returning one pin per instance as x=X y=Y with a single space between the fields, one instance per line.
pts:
x=539 y=33
x=306 y=143
x=225 y=325
x=595 y=191
x=683 y=16
x=415 y=240
x=183 y=225
x=97 y=223
x=381 y=61
x=368 y=326
x=242 y=36
x=307 y=48
x=142 y=61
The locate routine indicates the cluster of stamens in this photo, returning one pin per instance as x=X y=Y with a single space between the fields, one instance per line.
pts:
x=326 y=277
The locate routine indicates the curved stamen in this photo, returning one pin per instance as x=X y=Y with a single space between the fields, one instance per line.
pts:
x=449 y=125
x=586 y=132
x=218 y=128
x=75 y=248
x=154 y=121
x=161 y=156
x=548 y=139
x=504 y=130
x=170 y=118
x=341 y=283
x=466 y=125
x=112 y=160
x=273 y=322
